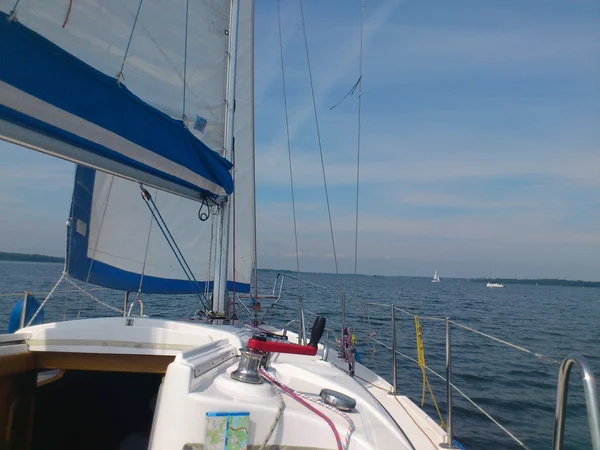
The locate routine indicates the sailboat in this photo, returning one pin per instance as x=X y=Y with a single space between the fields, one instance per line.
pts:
x=148 y=99
x=154 y=103
x=492 y=284
x=436 y=278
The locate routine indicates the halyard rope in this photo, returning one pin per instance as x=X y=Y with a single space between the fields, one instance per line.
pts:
x=301 y=398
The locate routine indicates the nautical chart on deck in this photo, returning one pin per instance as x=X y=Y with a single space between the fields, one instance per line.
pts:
x=226 y=431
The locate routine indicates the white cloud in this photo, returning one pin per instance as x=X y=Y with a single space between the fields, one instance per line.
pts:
x=577 y=167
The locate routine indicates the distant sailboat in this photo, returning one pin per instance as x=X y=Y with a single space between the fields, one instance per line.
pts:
x=491 y=283
x=436 y=278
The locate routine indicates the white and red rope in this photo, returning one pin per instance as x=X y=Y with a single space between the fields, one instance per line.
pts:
x=301 y=398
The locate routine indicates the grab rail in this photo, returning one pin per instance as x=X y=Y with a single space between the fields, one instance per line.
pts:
x=139 y=302
x=591 y=399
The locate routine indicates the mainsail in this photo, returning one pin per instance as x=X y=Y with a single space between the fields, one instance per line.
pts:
x=133 y=88
x=114 y=241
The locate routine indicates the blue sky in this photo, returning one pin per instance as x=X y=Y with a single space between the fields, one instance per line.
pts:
x=480 y=141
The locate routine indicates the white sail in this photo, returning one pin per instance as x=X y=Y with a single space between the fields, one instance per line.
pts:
x=121 y=239
x=120 y=85
x=115 y=242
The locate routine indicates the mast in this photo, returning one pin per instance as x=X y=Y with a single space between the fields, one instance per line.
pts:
x=220 y=303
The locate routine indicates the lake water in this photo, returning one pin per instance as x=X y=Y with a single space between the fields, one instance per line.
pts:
x=515 y=388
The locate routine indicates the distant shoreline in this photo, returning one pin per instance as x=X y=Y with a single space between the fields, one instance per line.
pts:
x=25 y=257
x=541 y=282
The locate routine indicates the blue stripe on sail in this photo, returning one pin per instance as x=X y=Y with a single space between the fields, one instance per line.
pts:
x=36 y=66
x=81 y=267
x=23 y=120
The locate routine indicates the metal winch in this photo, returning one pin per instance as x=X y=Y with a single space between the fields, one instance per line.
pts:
x=259 y=349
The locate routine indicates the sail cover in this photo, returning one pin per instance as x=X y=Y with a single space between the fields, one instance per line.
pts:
x=113 y=240
x=134 y=88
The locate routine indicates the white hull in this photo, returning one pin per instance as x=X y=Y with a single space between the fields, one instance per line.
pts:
x=495 y=285
x=197 y=361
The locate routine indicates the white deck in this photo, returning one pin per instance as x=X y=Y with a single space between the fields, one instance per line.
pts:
x=198 y=381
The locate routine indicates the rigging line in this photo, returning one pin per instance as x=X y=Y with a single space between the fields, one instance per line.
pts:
x=187 y=8
x=289 y=148
x=350 y=92
x=371 y=333
x=360 y=64
x=45 y=300
x=65 y=309
x=97 y=300
x=13 y=14
x=68 y=13
x=146 y=250
x=70 y=223
x=312 y=91
x=120 y=74
x=294 y=394
x=415 y=422
x=162 y=224
x=233 y=236
x=254 y=240
x=178 y=256
x=210 y=252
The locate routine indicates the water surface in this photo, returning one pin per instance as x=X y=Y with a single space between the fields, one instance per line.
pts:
x=515 y=388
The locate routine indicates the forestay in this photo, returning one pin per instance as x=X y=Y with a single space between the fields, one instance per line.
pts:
x=131 y=87
x=113 y=240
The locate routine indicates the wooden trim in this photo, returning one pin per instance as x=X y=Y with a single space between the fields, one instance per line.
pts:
x=104 y=362
x=17 y=363
x=24 y=362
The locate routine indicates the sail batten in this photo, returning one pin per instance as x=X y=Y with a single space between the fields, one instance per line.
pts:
x=51 y=96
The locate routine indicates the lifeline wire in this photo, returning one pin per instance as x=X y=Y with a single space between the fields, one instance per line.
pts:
x=485 y=413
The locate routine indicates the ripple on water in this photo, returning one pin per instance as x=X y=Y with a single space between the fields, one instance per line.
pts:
x=517 y=389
